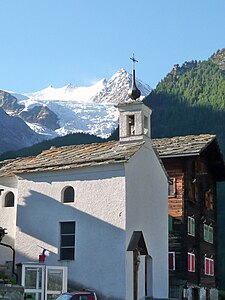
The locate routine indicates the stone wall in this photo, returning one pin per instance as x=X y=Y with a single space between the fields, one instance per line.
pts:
x=11 y=292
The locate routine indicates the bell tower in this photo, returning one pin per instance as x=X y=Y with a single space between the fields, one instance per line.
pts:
x=134 y=115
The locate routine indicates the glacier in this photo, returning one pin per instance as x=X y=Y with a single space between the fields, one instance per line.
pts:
x=88 y=109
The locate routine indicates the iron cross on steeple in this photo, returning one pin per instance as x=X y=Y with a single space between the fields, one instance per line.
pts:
x=134 y=61
x=134 y=93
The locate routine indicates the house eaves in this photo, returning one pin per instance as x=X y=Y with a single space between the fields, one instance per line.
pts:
x=181 y=146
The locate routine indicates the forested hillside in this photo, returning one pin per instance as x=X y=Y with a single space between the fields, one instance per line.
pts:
x=70 y=139
x=191 y=100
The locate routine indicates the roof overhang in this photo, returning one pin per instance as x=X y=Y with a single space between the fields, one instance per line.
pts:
x=212 y=155
x=137 y=243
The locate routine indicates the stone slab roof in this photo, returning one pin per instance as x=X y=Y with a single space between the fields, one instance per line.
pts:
x=70 y=157
x=190 y=145
x=88 y=155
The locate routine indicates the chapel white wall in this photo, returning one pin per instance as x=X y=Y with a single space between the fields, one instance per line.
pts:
x=7 y=217
x=147 y=211
x=99 y=212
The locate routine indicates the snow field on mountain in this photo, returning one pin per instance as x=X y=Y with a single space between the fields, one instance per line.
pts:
x=84 y=109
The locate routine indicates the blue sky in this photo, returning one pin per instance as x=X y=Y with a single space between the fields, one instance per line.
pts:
x=55 y=42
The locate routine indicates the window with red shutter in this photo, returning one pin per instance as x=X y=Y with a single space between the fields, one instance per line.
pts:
x=171 y=260
x=206 y=266
x=191 y=262
x=209 y=266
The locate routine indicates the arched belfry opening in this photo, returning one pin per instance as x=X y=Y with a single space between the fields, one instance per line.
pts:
x=134 y=121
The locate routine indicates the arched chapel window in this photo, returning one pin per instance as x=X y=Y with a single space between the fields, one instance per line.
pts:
x=68 y=195
x=9 y=199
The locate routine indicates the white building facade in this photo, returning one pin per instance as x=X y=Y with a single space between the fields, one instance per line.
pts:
x=83 y=204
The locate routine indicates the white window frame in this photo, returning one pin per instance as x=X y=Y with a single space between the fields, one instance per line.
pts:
x=208 y=233
x=211 y=266
x=172 y=253
x=192 y=259
x=191 y=226
x=211 y=234
x=172 y=187
x=62 y=247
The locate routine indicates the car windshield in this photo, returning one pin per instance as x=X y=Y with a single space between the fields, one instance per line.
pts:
x=65 y=297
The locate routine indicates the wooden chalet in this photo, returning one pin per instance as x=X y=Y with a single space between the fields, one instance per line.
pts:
x=194 y=165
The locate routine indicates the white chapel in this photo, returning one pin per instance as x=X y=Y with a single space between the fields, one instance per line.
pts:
x=99 y=211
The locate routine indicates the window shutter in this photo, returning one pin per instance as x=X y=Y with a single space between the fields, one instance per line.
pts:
x=193 y=263
x=172 y=187
x=170 y=223
x=206 y=237
x=193 y=226
x=210 y=234
x=211 y=267
x=206 y=266
x=171 y=260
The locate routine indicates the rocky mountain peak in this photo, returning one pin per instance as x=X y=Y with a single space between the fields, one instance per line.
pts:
x=9 y=102
x=41 y=115
x=186 y=66
x=116 y=89
x=15 y=133
x=219 y=58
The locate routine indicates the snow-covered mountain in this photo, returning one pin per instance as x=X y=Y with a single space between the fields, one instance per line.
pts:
x=68 y=92
x=60 y=111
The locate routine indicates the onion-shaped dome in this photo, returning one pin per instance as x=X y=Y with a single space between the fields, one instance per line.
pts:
x=134 y=93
